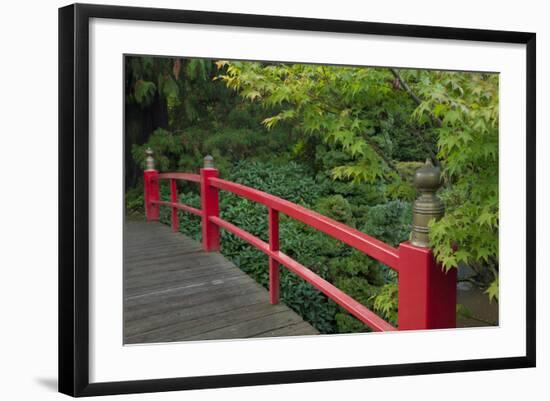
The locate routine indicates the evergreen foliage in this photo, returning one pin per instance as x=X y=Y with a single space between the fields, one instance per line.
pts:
x=343 y=141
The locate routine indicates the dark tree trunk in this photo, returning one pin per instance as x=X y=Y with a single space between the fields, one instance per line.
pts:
x=139 y=123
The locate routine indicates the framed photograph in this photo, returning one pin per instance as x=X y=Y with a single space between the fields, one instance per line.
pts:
x=251 y=199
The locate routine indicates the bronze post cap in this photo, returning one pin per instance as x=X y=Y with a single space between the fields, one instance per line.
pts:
x=427 y=206
x=208 y=161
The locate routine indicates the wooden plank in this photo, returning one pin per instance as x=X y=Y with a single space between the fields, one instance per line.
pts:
x=139 y=249
x=144 y=251
x=175 y=268
x=186 y=264
x=206 y=283
x=160 y=239
x=217 y=321
x=159 y=279
x=296 y=329
x=250 y=328
x=182 y=315
x=187 y=259
x=174 y=291
x=159 y=258
x=136 y=247
x=137 y=308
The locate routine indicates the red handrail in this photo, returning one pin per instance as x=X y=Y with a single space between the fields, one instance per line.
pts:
x=341 y=298
x=427 y=297
x=180 y=206
x=358 y=240
x=371 y=246
x=180 y=176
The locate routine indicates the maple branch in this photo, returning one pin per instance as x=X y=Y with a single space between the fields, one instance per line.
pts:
x=418 y=101
x=381 y=154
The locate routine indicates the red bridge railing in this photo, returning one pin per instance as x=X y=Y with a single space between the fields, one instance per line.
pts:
x=427 y=295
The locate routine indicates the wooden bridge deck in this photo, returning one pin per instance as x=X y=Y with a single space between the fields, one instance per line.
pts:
x=173 y=291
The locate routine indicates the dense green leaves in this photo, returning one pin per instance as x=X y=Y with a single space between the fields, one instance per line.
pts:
x=144 y=91
x=355 y=109
x=467 y=105
x=363 y=112
x=492 y=291
x=344 y=141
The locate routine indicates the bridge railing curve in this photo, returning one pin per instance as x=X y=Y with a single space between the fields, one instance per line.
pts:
x=426 y=294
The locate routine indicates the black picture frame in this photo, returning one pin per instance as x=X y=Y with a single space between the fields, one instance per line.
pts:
x=74 y=198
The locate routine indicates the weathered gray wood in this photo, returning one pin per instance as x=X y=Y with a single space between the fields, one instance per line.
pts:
x=142 y=252
x=218 y=320
x=139 y=307
x=179 y=277
x=173 y=291
x=296 y=329
x=181 y=265
x=183 y=315
x=250 y=328
x=181 y=261
x=186 y=288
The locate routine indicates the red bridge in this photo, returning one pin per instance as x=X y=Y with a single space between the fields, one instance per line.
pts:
x=427 y=295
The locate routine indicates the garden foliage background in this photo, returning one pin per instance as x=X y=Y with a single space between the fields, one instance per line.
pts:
x=344 y=141
x=33 y=373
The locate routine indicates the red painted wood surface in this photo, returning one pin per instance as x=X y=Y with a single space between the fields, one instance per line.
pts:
x=355 y=238
x=239 y=232
x=180 y=206
x=357 y=309
x=273 y=264
x=151 y=189
x=174 y=199
x=427 y=294
x=180 y=176
x=210 y=208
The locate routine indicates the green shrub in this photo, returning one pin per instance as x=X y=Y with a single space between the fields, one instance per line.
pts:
x=290 y=181
x=337 y=208
x=389 y=222
x=134 y=200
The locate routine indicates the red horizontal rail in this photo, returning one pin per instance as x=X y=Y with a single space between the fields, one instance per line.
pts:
x=181 y=206
x=355 y=238
x=239 y=232
x=427 y=294
x=362 y=313
x=180 y=176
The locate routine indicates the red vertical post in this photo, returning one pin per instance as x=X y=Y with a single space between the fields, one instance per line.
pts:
x=174 y=199
x=210 y=207
x=273 y=264
x=427 y=294
x=151 y=188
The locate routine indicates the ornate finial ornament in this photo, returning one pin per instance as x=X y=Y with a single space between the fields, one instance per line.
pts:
x=149 y=161
x=428 y=206
x=208 y=162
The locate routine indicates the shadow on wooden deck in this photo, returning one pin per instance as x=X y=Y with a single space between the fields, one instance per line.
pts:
x=174 y=291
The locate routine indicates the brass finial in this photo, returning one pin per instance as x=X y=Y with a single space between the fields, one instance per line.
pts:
x=428 y=206
x=149 y=161
x=208 y=161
